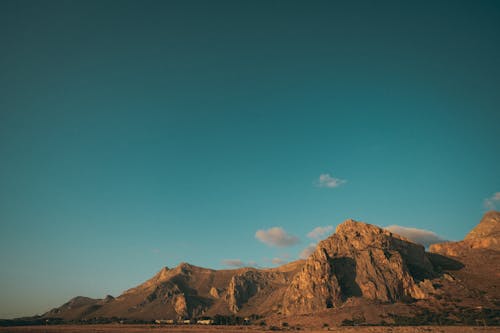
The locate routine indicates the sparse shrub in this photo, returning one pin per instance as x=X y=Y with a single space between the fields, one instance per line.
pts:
x=424 y=317
x=407 y=299
x=228 y=320
x=356 y=321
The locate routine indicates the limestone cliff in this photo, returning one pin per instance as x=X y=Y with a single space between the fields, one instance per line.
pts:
x=359 y=260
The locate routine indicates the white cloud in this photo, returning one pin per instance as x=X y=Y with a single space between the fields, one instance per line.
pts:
x=233 y=262
x=252 y=263
x=276 y=236
x=491 y=202
x=307 y=251
x=278 y=261
x=326 y=180
x=319 y=232
x=420 y=236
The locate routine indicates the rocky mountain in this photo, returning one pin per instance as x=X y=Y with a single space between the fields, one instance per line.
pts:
x=359 y=265
x=188 y=291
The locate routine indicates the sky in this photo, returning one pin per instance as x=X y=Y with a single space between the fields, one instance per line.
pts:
x=140 y=134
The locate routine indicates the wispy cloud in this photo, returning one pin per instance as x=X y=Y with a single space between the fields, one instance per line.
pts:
x=327 y=180
x=491 y=202
x=278 y=261
x=420 y=236
x=276 y=236
x=252 y=263
x=319 y=232
x=316 y=234
x=307 y=251
x=233 y=262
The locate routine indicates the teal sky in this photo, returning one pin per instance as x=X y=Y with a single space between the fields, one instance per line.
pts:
x=139 y=134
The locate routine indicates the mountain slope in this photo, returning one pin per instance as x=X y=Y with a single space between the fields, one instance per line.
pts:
x=78 y=307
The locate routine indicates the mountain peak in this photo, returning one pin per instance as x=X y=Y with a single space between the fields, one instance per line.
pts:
x=363 y=235
x=486 y=236
x=358 y=260
x=350 y=226
x=489 y=226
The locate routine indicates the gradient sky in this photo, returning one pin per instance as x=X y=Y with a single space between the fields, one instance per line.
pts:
x=139 y=134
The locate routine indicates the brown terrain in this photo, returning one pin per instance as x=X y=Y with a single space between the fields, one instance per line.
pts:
x=360 y=275
x=113 y=328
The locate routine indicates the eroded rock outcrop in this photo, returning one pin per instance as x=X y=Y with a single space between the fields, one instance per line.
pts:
x=214 y=292
x=359 y=260
x=180 y=306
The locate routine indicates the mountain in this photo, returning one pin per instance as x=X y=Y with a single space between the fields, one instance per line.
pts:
x=479 y=253
x=485 y=236
x=361 y=269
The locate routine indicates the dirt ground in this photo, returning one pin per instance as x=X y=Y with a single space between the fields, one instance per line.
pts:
x=233 y=329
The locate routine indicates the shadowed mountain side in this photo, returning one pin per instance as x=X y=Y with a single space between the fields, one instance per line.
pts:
x=441 y=262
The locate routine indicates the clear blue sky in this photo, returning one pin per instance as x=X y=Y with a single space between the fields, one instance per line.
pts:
x=139 y=134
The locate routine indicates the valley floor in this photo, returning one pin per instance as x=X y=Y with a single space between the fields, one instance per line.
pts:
x=237 y=329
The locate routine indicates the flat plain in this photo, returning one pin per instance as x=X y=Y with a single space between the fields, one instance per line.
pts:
x=238 y=329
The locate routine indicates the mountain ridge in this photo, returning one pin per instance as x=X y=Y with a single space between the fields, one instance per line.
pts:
x=359 y=263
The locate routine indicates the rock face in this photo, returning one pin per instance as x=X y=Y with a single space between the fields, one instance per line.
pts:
x=241 y=288
x=486 y=235
x=359 y=260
